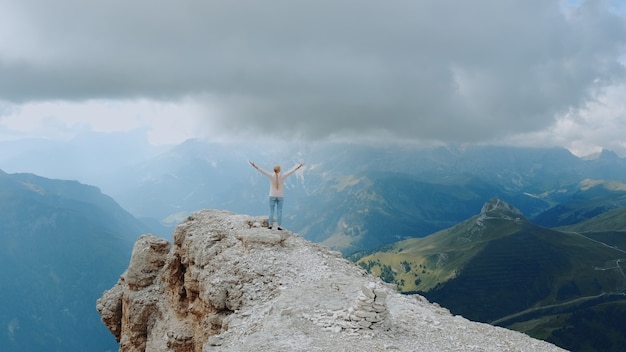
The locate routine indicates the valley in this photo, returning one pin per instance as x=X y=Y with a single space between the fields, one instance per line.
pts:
x=529 y=239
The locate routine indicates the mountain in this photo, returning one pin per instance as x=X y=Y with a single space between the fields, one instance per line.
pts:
x=588 y=199
x=227 y=283
x=191 y=176
x=499 y=267
x=62 y=244
x=355 y=197
x=89 y=157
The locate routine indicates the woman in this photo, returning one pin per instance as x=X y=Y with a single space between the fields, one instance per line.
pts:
x=277 y=191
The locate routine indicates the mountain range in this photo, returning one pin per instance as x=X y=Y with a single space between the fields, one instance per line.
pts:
x=564 y=286
x=62 y=244
x=355 y=197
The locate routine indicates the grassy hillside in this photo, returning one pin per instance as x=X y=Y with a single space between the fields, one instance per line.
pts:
x=591 y=202
x=612 y=220
x=500 y=268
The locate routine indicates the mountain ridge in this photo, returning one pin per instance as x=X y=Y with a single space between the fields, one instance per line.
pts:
x=499 y=267
x=61 y=244
x=227 y=283
x=355 y=197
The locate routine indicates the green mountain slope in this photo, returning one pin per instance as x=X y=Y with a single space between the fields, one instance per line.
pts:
x=588 y=200
x=61 y=245
x=500 y=268
x=386 y=207
x=612 y=220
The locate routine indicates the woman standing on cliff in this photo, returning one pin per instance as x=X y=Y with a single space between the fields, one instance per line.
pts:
x=277 y=190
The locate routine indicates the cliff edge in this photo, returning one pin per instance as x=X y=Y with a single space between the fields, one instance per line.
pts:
x=227 y=283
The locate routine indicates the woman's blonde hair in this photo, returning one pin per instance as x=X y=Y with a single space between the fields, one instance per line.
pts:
x=276 y=171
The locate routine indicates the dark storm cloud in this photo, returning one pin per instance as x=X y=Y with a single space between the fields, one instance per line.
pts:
x=447 y=70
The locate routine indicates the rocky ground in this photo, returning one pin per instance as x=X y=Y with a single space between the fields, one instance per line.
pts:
x=228 y=283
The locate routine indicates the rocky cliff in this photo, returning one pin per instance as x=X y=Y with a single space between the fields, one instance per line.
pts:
x=227 y=283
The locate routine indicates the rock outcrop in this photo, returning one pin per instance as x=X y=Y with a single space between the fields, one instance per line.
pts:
x=227 y=283
x=497 y=208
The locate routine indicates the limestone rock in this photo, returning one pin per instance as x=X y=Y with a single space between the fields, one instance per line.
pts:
x=227 y=283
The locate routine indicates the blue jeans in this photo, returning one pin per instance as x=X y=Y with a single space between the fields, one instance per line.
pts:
x=276 y=202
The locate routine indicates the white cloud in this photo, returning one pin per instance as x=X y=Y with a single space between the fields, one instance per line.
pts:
x=597 y=125
x=164 y=122
x=431 y=71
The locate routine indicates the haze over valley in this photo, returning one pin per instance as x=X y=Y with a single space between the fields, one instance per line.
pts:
x=413 y=121
x=351 y=198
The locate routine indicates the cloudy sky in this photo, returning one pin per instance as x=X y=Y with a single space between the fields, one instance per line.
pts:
x=520 y=72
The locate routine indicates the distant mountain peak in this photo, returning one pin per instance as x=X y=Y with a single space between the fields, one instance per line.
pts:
x=497 y=208
x=608 y=155
x=603 y=154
